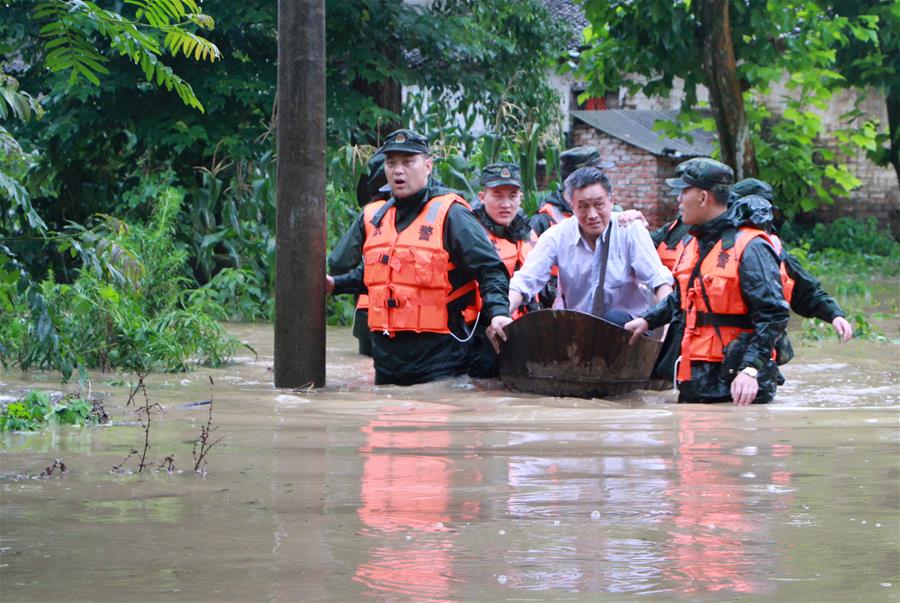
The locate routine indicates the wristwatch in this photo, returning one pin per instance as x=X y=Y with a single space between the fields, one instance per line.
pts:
x=750 y=371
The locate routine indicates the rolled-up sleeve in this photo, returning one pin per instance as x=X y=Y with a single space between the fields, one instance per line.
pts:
x=530 y=279
x=645 y=260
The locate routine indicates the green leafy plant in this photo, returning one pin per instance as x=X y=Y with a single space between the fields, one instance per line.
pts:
x=740 y=52
x=35 y=411
x=130 y=306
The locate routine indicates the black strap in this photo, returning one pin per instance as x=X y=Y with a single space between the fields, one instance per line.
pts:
x=709 y=319
x=379 y=215
x=729 y=234
x=599 y=305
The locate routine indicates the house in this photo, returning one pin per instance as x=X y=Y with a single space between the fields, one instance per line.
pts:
x=643 y=158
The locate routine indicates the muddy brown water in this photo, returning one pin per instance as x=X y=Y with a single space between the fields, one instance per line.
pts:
x=462 y=491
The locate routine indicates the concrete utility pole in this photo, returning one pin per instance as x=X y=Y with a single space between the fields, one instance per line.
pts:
x=300 y=250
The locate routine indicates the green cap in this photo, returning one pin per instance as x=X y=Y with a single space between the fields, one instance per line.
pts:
x=753 y=186
x=405 y=141
x=704 y=173
x=579 y=157
x=679 y=169
x=498 y=174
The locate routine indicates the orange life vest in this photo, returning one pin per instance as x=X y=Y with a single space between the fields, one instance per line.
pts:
x=513 y=254
x=669 y=255
x=787 y=283
x=407 y=273
x=708 y=329
x=556 y=214
x=362 y=302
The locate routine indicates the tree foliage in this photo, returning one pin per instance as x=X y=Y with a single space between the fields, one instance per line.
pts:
x=647 y=45
x=114 y=139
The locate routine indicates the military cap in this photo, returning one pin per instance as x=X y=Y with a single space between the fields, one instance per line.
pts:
x=498 y=174
x=752 y=186
x=704 y=173
x=405 y=141
x=579 y=157
x=679 y=169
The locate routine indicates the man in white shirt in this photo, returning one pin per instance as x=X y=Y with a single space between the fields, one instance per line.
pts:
x=590 y=248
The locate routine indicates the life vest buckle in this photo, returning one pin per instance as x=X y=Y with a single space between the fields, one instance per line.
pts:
x=393 y=303
x=385 y=259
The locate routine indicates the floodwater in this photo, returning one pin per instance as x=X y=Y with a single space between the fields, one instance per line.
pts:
x=462 y=491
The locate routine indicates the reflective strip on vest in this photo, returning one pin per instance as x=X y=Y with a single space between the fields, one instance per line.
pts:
x=407 y=273
x=702 y=340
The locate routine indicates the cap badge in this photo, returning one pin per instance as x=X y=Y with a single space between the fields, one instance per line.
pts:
x=400 y=138
x=505 y=172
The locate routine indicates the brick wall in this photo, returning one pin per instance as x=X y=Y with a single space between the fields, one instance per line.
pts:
x=638 y=177
x=879 y=195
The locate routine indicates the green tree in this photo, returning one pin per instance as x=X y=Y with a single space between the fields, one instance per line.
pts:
x=738 y=50
x=865 y=61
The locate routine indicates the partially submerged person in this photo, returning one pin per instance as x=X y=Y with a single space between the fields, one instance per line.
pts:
x=802 y=290
x=601 y=263
x=371 y=186
x=499 y=212
x=729 y=289
x=423 y=253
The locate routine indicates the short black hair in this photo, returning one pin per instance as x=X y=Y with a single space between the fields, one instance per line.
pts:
x=585 y=177
x=721 y=195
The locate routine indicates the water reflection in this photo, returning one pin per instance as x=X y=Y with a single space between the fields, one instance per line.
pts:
x=405 y=495
x=717 y=538
x=585 y=501
x=448 y=492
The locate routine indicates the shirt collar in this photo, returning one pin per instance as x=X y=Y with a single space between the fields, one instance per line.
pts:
x=600 y=239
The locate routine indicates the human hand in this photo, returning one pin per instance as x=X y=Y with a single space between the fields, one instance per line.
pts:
x=329 y=284
x=495 y=331
x=632 y=215
x=843 y=328
x=638 y=327
x=744 y=389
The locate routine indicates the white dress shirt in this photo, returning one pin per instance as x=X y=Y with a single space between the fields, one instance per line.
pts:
x=632 y=261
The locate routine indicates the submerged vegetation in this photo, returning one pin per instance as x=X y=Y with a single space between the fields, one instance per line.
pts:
x=37 y=411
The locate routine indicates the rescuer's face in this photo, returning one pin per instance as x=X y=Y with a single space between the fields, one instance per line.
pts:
x=407 y=173
x=692 y=202
x=501 y=202
x=593 y=208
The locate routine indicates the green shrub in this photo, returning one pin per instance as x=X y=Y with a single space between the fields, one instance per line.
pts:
x=35 y=412
x=130 y=306
x=853 y=236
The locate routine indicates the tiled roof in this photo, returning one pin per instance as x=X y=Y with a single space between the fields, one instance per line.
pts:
x=636 y=127
x=572 y=15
